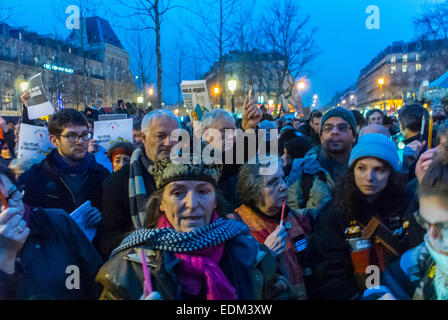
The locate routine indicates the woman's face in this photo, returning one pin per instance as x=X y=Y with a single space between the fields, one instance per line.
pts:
x=120 y=160
x=273 y=193
x=434 y=211
x=371 y=176
x=188 y=205
x=11 y=193
x=286 y=158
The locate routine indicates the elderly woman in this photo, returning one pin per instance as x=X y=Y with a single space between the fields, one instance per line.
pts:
x=368 y=223
x=120 y=154
x=263 y=196
x=190 y=251
x=43 y=252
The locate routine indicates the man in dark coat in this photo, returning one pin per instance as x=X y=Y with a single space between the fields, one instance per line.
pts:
x=68 y=176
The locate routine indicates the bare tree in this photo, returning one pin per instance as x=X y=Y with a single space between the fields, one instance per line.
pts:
x=215 y=32
x=289 y=34
x=151 y=13
x=180 y=63
x=432 y=29
x=433 y=23
x=7 y=11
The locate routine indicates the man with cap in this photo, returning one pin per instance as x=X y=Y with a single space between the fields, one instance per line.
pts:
x=311 y=181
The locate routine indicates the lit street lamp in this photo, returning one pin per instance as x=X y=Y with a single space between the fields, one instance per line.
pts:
x=231 y=84
x=381 y=82
x=139 y=99
x=24 y=86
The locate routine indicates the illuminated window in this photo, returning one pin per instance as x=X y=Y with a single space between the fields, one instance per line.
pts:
x=405 y=58
x=418 y=67
x=417 y=57
x=404 y=68
x=393 y=59
x=393 y=69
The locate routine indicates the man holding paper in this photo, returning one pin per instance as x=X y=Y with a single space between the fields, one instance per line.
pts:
x=69 y=176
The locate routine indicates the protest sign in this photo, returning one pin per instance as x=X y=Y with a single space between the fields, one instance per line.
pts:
x=38 y=104
x=108 y=117
x=196 y=99
x=107 y=133
x=34 y=143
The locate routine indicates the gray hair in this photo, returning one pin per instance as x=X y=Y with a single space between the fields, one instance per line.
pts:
x=250 y=179
x=211 y=117
x=374 y=128
x=157 y=114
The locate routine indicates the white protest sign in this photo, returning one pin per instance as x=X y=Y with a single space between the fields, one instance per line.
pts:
x=107 y=133
x=34 y=143
x=38 y=105
x=196 y=99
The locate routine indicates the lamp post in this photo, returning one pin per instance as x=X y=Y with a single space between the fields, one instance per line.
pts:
x=301 y=86
x=231 y=84
x=381 y=82
x=216 y=92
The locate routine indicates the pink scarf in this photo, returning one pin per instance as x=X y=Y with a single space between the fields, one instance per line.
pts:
x=200 y=268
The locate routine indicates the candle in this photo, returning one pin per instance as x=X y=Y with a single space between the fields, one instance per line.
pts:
x=283 y=214
x=430 y=130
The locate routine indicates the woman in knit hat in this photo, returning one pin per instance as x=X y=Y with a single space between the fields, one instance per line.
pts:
x=191 y=252
x=366 y=224
x=120 y=154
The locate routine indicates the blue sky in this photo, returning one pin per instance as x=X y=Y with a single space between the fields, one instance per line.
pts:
x=347 y=44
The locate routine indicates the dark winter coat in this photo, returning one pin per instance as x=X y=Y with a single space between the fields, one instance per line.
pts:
x=117 y=222
x=55 y=243
x=333 y=273
x=45 y=188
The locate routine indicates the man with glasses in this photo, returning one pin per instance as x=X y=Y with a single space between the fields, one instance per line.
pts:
x=69 y=175
x=312 y=178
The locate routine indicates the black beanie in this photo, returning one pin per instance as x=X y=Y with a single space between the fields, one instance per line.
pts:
x=341 y=113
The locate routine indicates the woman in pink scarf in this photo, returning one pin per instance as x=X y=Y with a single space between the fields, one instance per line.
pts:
x=191 y=252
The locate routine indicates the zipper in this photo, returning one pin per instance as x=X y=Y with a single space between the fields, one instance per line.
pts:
x=71 y=193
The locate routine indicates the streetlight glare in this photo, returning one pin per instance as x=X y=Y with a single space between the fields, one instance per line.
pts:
x=150 y=91
x=315 y=97
x=301 y=85
x=24 y=86
x=140 y=100
x=232 y=85
x=216 y=90
x=381 y=81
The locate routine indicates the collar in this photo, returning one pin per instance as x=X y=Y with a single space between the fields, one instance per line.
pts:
x=259 y=213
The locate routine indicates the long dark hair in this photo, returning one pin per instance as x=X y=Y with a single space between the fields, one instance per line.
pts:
x=349 y=199
x=153 y=212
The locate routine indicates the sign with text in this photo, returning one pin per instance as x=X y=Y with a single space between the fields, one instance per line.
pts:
x=196 y=99
x=38 y=105
x=107 y=133
x=34 y=143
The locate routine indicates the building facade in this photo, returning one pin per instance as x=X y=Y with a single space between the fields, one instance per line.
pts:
x=88 y=68
x=393 y=76
x=263 y=69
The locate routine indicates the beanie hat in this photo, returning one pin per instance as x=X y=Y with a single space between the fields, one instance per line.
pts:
x=189 y=167
x=377 y=146
x=341 y=113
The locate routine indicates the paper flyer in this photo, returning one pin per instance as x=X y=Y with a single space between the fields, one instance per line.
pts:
x=34 y=143
x=196 y=99
x=38 y=105
x=107 y=133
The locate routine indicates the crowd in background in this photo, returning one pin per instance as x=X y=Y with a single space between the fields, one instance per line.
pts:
x=349 y=191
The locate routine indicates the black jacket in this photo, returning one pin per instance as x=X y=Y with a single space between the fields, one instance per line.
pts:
x=333 y=275
x=44 y=187
x=117 y=222
x=41 y=272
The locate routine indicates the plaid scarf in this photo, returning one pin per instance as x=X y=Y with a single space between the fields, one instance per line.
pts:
x=167 y=239
x=137 y=191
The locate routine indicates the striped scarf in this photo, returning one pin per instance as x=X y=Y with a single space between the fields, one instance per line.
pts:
x=137 y=191
x=167 y=239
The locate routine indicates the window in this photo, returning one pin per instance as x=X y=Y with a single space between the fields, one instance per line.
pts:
x=405 y=58
x=393 y=59
x=404 y=68
x=418 y=67
x=417 y=57
x=393 y=69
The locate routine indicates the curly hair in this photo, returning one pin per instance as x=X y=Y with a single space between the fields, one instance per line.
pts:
x=349 y=199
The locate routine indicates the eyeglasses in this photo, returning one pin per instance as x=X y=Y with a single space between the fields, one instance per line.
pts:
x=14 y=197
x=342 y=127
x=441 y=227
x=276 y=184
x=74 y=138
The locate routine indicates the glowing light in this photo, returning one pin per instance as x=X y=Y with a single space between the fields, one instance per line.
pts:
x=150 y=91
x=231 y=84
x=139 y=99
x=216 y=90
x=301 y=85
x=24 y=86
x=381 y=81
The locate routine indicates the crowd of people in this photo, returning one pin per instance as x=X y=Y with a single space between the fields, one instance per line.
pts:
x=348 y=192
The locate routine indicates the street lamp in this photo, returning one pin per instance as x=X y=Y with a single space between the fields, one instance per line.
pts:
x=381 y=82
x=140 y=99
x=24 y=86
x=150 y=91
x=301 y=85
x=231 y=84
